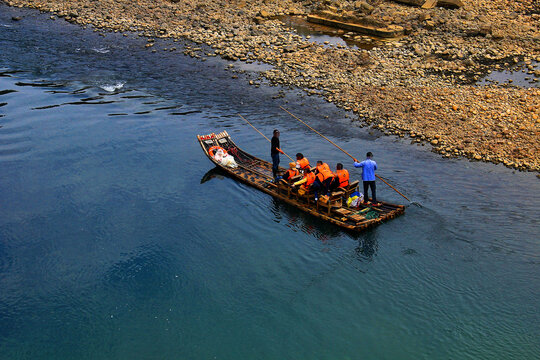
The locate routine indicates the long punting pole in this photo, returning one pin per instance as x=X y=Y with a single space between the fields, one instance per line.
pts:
x=331 y=142
x=263 y=135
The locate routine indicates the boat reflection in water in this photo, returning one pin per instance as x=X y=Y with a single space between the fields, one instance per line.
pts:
x=213 y=173
x=299 y=221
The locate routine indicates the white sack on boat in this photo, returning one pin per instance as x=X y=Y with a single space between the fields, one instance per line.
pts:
x=225 y=159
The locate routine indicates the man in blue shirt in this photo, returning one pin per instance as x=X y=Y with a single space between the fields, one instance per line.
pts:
x=368 y=176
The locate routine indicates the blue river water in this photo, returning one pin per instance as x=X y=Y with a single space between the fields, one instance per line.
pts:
x=118 y=240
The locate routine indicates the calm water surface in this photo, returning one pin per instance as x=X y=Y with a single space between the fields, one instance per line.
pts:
x=119 y=241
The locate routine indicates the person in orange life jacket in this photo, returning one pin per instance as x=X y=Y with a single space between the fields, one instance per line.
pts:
x=302 y=163
x=321 y=166
x=368 y=176
x=324 y=177
x=274 y=152
x=307 y=181
x=292 y=172
x=341 y=178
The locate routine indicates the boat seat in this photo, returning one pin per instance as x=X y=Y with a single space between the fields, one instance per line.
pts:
x=295 y=178
x=308 y=195
x=332 y=201
x=349 y=189
x=284 y=187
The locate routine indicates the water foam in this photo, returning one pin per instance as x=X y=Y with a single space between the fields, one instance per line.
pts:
x=101 y=50
x=112 y=88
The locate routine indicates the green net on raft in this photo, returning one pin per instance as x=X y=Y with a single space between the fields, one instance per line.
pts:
x=372 y=214
x=368 y=214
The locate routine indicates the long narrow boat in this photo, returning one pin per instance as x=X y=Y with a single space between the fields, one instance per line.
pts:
x=258 y=173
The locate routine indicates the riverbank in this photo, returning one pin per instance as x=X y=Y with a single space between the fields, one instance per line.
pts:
x=421 y=86
x=120 y=240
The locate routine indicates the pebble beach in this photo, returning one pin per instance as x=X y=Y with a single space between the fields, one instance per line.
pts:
x=424 y=85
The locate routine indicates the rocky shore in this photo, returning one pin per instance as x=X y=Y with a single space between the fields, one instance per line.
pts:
x=421 y=86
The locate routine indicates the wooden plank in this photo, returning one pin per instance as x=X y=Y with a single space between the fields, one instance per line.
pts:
x=343 y=211
x=390 y=31
x=356 y=217
x=429 y=4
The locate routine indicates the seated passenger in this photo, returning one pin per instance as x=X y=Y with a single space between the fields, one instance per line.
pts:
x=323 y=179
x=302 y=163
x=341 y=178
x=321 y=166
x=292 y=172
x=307 y=181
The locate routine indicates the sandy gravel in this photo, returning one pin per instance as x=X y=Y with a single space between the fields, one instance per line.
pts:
x=421 y=86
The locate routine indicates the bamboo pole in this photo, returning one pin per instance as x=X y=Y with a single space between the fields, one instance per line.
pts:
x=263 y=135
x=331 y=142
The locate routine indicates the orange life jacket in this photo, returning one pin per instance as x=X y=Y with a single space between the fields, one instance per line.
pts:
x=322 y=167
x=303 y=162
x=310 y=179
x=324 y=174
x=215 y=148
x=292 y=173
x=343 y=176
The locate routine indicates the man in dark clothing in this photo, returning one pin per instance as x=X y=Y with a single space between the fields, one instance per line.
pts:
x=274 y=152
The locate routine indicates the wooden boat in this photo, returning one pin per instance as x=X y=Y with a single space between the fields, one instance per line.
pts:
x=381 y=30
x=258 y=173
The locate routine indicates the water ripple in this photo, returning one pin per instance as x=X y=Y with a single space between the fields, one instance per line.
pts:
x=143 y=274
x=186 y=112
x=4 y=92
x=42 y=83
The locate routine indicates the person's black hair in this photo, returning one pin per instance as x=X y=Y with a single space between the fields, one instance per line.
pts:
x=300 y=155
x=276 y=131
x=319 y=162
x=369 y=154
x=339 y=166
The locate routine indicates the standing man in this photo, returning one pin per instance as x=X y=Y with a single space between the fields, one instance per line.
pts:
x=274 y=152
x=368 y=176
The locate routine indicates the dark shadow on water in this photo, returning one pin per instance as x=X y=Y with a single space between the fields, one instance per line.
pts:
x=4 y=92
x=41 y=84
x=297 y=220
x=213 y=173
x=7 y=73
x=367 y=246
x=361 y=254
